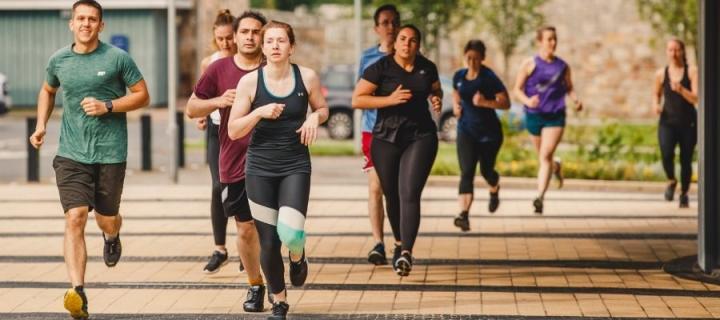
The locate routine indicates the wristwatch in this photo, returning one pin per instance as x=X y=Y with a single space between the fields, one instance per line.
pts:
x=109 y=106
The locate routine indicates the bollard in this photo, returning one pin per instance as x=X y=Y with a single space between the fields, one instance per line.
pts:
x=180 y=121
x=33 y=159
x=146 y=142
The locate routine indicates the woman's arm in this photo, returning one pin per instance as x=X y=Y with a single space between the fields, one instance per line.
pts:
x=519 y=90
x=571 y=90
x=242 y=121
x=657 y=92
x=318 y=104
x=502 y=101
x=363 y=97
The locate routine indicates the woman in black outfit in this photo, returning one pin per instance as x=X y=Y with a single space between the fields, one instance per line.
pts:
x=677 y=85
x=405 y=136
x=272 y=103
x=478 y=92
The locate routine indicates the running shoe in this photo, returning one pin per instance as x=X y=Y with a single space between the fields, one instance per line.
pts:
x=462 y=221
x=255 y=299
x=76 y=303
x=112 y=250
x=396 y=256
x=217 y=260
x=299 y=271
x=377 y=256
x=538 y=204
x=279 y=311
x=403 y=265
x=557 y=172
x=670 y=191
x=494 y=200
x=684 y=201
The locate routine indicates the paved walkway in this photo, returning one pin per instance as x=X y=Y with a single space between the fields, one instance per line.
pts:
x=593 y=255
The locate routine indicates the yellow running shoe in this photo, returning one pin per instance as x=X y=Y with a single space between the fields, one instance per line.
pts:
x=76 y=303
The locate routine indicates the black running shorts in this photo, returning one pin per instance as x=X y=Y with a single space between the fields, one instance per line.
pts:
x=97 y=186
x=235 y=201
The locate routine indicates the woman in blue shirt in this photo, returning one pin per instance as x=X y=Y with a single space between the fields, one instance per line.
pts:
x=477 y=93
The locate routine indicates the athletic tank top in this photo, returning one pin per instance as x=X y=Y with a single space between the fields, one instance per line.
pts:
x=676 y=110
x=275 y=149
x=548 y=82
x=215 y=115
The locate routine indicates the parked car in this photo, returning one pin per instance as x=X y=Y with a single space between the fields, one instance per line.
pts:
x=338 y=84
x=4 y=97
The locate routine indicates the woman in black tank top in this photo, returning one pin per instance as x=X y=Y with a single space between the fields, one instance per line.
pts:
x=676 y=86
x=271 y=103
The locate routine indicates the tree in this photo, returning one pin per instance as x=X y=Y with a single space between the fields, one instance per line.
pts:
x=434 y=18
x=509 y=20
x=672 y=17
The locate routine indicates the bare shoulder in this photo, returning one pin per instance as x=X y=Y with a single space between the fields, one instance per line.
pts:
x=659 y=73
x=693 y=71
x=249 y=81
x=309 y=75
x=528 y=65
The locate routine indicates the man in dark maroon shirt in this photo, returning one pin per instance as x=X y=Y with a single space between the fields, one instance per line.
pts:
x=216 y=91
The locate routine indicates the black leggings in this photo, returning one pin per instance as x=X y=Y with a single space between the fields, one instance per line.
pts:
x=217 y=214
x=279 y=207
x=669 y=137
x=470 y=152
x=403 y=169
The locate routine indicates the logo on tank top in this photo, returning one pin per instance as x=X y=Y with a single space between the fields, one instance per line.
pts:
x=100 y=73
x=300 y=94
x=422 y=71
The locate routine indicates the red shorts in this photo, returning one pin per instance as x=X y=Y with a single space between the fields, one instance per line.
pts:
x=366 y=143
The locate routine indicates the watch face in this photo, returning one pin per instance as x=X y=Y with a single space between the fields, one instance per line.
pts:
x=108 y=105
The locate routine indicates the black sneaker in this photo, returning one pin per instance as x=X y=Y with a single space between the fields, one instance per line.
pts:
x=255 y=299
x=403 y=265
x=557 y=172
x=670 y=191
x=377 y=256
x=76 y=303
x=112 y=250
x=538 y=204
x=684 y=201
x=462 y=221
x=396 y=256
x=494 y=200
x=299 y=271
x=279 y=311
x=217 y=260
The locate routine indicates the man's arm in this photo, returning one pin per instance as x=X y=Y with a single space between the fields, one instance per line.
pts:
x=46 y=104
x=138 y=98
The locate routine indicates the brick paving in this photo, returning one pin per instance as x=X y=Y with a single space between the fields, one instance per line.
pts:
x=593 y=255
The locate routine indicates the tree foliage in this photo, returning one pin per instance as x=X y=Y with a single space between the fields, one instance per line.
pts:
x=672 y=17
x=507 y=21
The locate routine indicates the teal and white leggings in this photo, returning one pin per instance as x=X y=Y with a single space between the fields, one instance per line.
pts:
x=279 y=207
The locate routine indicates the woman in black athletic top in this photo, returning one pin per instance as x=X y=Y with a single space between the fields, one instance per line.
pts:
x=272 y=104
x=676 y=85
x=405 y=136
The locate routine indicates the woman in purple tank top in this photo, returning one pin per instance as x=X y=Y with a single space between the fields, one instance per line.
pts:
x=542 y=85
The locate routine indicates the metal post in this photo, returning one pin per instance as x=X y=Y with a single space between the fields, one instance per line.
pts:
x=357 y=114
x=709 y=136
x=146 y=142
x=33 y=159
x=172 y=87
x=180 y=123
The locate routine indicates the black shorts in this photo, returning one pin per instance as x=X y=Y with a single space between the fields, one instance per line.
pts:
x=96 y=186
x=235 y=201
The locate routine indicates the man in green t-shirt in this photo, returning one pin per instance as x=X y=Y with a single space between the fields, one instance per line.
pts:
x=91 y=158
